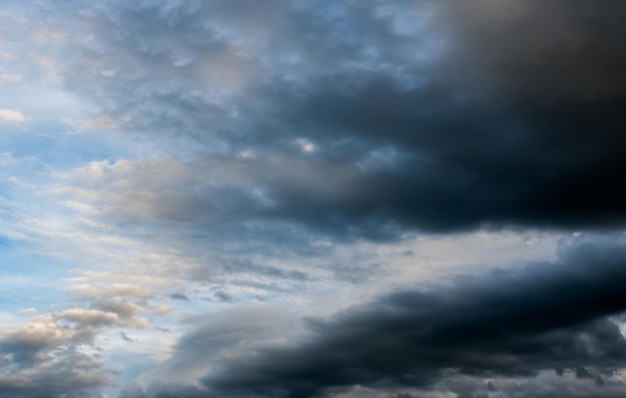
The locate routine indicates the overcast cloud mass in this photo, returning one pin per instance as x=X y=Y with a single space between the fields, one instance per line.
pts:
x=302 y=199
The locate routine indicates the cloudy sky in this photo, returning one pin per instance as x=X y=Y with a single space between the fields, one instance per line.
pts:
x=312 y=199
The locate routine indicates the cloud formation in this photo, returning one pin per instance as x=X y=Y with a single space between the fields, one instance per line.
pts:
x=47 y=357
x=510 y=323
x=285 y=158
x=11 y=116
x=366 y=120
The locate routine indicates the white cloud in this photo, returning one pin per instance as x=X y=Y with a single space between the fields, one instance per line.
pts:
x=306 y=145
x=90 y=316
x=11 y=116
x=28 y=311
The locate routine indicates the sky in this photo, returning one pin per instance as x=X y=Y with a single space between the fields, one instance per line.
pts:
x=312 y=199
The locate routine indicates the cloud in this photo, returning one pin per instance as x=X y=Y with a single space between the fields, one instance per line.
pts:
x=571 y=54
x=119 y=314
x=125 y=337
x=28 y=311
x=11 y=116
x=273 y=150
x=223 y=296
x=217 y=337
x=45 y=357
x=90 y=317
x=426 y=116
x=507 y=324
x=132 y=390
x=179 y=296
x=545 y=385
x=97 y=291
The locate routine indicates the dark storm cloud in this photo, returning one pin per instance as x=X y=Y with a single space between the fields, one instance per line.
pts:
x=364 y=119
x=524 y=129
x=559 y=50
x=515 y=323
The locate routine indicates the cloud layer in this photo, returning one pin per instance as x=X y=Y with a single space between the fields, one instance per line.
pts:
x=357 y=120
x=510 y=323
x=190 y=179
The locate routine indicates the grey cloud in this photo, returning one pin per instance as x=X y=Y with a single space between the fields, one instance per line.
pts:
x=277 y=125
x=51 y=355
x=179 y=296
x=365 y=120
x=223 y=296
x=43 y=358
x=568 y=51
x=27 y=343
x=547 y=385
x=132 y=390
x=214 y=338
x=514 y=323
x=125 y=337
x=66 y=381
x=124 y=311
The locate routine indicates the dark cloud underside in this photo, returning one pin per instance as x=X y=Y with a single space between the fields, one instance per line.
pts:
x=421 y=115
x=516 y=323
